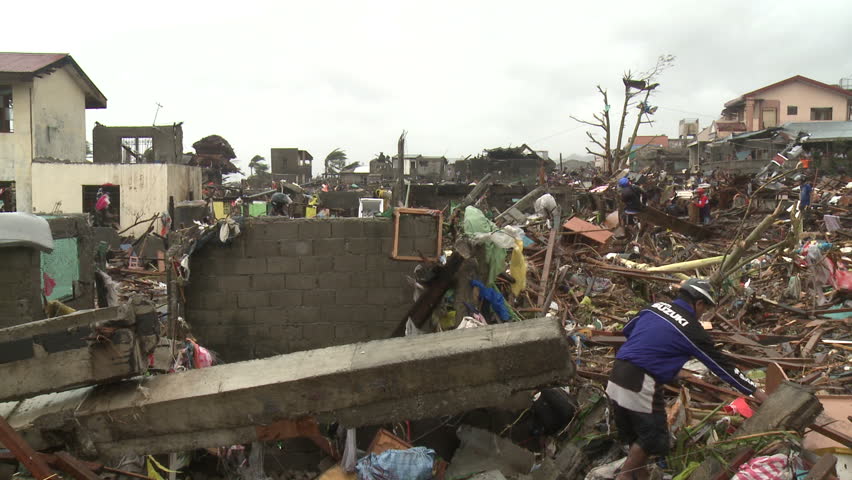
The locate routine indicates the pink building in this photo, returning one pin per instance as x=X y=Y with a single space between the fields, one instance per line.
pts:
x=796 y=99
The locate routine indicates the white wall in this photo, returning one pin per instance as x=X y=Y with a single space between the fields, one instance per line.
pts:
x=59 y=117
x=16 y=147
x=49 y=122
x=145 y=188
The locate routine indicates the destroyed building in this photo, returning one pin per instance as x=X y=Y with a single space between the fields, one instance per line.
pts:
x=150 y=144
x=291 y=164
x=43 y=103
x=509 y=164
x=827 y=146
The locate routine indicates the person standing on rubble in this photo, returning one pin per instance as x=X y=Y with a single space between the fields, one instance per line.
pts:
x=659 y=341
x=703 y=203
x=278 y=205
x=633 y=198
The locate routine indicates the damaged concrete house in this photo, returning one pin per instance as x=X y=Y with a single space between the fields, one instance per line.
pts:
x=137 y=166
x=508 y=164
x=292 y=165
x=43 y=103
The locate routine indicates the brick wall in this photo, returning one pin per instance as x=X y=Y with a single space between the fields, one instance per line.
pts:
x=20 y=286
x=290 y=285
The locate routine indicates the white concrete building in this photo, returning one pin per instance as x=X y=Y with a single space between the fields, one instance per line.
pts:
x=137 y=191
x=43 y=102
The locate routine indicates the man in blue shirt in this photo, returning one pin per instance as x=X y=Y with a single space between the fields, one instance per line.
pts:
x=805 y=195
x=659 y=341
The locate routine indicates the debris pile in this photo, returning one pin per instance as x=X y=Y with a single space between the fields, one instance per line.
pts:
x=531 y=303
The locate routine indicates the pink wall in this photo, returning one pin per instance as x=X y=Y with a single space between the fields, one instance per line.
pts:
x=800 y=95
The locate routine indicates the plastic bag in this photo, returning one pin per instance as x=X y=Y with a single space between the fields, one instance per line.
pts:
x=350 y=451
x=412 y=464
x=479 y=228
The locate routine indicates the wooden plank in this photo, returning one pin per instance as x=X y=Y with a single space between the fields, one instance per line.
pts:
x=477 y=191
x=423 y=307
x=525 y=202
x=548 y=258
x=823 y=425
x=725 y=393
x=775 y=376
x=13 y=441
x=823 y=469
x=74 y=467
x=662 y=219
x=812 y=341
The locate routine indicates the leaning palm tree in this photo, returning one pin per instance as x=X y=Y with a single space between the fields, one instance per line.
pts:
x=255 y=162
x=335 y=161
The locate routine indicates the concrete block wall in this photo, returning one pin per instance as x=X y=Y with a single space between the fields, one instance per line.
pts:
x=20 y=286
x=287 y=285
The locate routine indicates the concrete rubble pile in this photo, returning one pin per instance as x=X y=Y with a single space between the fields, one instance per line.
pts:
x=498 y=368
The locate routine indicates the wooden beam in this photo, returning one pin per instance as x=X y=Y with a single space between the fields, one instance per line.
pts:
x=74 y=467
x=662 y=219
x=25 y=454
x=823 y=469
x=423 y=307
x=520 y=206
x=548 y=258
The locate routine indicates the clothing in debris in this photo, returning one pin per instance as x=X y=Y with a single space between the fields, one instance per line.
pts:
x=412 y=464
x=494 y=298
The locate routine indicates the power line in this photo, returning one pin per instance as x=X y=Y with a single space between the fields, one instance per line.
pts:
x=558 y=133
x=691 y=113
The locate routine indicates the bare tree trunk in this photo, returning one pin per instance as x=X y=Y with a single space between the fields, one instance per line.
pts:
x=627 y=148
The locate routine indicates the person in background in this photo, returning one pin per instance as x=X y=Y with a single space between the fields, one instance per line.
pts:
x=659 y=341
x=805 y=191
x=102 y=209
x=703 y=203
x=633 y=198
x=279 y=205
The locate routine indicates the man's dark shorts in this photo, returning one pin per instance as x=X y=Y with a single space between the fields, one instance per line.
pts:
x=638 y=408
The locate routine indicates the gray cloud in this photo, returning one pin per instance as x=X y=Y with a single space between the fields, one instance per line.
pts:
x=460 y=76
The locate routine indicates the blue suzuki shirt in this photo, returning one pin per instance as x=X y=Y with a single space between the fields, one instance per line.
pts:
x=665 y=335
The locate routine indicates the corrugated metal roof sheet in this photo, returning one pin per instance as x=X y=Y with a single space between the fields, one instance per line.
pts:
x=11 y=62
x=820 y=131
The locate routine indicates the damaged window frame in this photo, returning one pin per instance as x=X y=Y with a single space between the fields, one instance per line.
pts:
x=134 y=149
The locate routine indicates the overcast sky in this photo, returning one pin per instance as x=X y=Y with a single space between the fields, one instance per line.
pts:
x=459 y=75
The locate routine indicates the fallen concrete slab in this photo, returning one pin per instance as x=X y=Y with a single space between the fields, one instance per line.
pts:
x=359 y=384
x=55 y=354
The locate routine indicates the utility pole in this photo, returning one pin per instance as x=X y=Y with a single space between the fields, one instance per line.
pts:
x=157 y=113
x=398 y=191
x=560 y=163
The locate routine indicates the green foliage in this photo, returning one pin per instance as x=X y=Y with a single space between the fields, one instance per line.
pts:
x=258 y=164
x=335 y=161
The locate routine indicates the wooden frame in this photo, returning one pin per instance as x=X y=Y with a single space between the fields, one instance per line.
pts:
x=437 y=214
